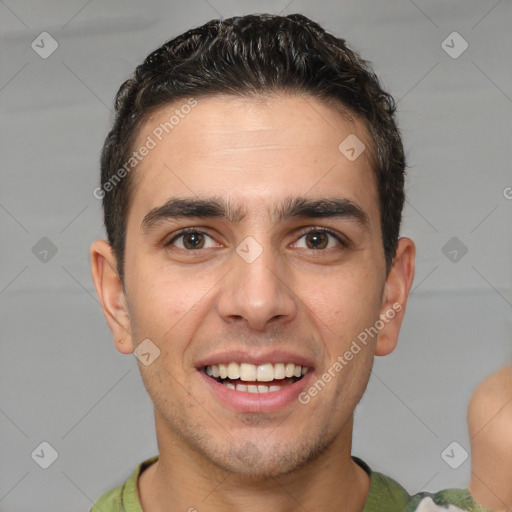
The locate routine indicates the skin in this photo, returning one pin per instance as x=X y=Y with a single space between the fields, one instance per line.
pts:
x=490 y=424
x=293 y=296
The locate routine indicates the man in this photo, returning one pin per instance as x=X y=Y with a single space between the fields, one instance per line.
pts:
x=252 y=187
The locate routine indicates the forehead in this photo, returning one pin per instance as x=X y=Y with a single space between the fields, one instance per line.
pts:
x=254 y=151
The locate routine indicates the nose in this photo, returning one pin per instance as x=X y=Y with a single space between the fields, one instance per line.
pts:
x=257 y=291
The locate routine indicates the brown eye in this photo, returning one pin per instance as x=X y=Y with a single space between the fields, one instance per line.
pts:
x=191 y=240
x=319 y=239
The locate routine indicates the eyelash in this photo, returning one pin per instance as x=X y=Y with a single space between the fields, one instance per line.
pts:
x=185 y=231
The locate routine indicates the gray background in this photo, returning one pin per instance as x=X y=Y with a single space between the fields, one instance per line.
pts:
x=63 y=382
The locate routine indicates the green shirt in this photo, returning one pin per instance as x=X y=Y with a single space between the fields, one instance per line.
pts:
x=384 y=495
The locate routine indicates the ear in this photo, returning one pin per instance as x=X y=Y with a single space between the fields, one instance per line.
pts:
x=111 y=294
x=396 y=291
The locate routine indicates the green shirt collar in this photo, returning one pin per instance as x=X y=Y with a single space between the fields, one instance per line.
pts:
x=384 y=494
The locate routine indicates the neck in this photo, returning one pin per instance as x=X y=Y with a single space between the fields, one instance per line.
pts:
x=184 y=480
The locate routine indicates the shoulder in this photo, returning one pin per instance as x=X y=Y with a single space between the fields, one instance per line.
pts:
x=387 y=495
x=384 y=493
x=447 y=500
x=111 y=501
x=124 y=498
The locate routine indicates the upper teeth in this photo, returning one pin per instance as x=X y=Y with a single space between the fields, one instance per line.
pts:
x=251 y=372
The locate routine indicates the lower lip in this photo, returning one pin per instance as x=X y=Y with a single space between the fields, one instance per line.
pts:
x=243 y=401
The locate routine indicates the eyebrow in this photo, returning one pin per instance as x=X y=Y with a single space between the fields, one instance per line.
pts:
x=290 y=207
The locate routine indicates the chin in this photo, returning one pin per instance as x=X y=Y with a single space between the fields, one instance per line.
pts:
x=271 y=460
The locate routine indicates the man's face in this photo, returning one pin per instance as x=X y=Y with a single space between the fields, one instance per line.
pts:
x=266 y=288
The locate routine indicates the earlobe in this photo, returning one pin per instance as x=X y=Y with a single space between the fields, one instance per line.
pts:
x=396 y=292
x=110 y=291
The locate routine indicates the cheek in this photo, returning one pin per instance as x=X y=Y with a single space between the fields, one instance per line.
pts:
x=159 y=303
x=345 y=303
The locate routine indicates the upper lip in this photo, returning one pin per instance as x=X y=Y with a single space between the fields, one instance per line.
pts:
x=239 y=356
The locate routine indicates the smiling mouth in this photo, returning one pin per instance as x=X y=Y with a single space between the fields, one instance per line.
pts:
x=249 y=378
